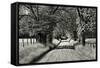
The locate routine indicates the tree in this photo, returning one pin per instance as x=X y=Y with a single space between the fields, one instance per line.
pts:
x=34 y=19
x=67 y=23
x=56 y=19
x=87 y=21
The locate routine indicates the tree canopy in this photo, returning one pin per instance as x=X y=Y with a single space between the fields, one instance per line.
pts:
x=59 y=19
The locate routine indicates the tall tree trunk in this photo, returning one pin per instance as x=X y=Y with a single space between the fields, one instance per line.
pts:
x=83 y=38
x=50 y=37
x=82 y=28
x=75 y=35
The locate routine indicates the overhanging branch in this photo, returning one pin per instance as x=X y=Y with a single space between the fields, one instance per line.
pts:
x=32 y=10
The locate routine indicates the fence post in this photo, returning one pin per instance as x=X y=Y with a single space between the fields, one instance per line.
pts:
x=23 y=42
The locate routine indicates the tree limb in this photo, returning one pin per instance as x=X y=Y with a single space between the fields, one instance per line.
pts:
x=53 y=12
x=37 y=12
x=33 y=12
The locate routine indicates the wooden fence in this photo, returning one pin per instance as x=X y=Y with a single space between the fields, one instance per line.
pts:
x=26 y=42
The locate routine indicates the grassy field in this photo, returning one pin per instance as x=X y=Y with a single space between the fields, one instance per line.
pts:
x=31 y=52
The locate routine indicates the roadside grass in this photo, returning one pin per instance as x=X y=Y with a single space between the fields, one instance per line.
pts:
x=31 y=52
x=87 y=52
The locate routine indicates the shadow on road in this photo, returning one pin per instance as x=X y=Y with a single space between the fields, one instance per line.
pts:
x=40 y=57
x=43 y=54
x=65 y=47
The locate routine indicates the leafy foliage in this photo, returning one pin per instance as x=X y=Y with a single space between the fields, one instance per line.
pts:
x=88 y=20
x=60 y=20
